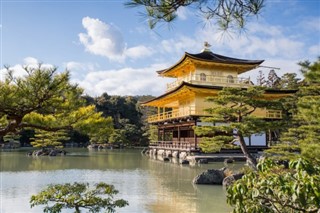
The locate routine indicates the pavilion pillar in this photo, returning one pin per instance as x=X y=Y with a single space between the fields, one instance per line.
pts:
x=194 y=135
x=159 y=134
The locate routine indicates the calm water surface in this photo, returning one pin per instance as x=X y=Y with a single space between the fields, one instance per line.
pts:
x=149 y=185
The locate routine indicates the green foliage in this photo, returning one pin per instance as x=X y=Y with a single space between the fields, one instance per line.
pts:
x=78 y=196
x=45 y=139
x=274 y=188
x=289 y=81
x=273 y=80
x=11 y=138
x=304 y=135
x=153 y=133
x=228 y=14
x=127 y=117
x=46 y=100
x=233 y=109
x=216 y=143
x=118 y=136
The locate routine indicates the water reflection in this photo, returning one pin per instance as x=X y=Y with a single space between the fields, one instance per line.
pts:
x=149 y=185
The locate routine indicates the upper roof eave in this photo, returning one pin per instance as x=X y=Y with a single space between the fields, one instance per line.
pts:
x=208 y=56
x=267 y=91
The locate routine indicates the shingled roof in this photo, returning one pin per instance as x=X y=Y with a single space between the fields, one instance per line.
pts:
x=207 y=56
x=210 y=87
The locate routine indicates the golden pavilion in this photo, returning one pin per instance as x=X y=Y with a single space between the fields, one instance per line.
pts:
x=198 y=76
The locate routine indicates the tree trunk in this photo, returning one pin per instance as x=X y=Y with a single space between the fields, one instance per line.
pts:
x=252 y=161
x=77 y=209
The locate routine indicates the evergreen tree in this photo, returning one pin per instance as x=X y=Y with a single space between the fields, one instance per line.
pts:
x=45 y=139
x=118 y=136
x=273 y=79
x=11 y=137
x=78 y=196
x=304 y=135
x=46 y=100
x=261 y=81
x=289 y=81
x=233 y=109
x=228 y=14
x=153 y=133
x=126 y=115
x=274 y=188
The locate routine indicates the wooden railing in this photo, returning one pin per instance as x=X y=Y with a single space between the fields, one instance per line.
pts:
x=276 y=114
x=212 y=80
x=193 y=111
x=177 y=113
x=174 y=145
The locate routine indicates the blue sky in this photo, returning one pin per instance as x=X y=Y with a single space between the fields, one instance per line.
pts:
x=109 y=48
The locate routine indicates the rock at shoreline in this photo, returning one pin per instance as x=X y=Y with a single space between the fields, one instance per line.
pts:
x=47 y=152
x=228 y=160
x=227 y=181
x=211 y=176
x=184 y=162
x=203 y=161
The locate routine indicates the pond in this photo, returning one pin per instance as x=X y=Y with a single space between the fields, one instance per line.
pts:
x=149 y=185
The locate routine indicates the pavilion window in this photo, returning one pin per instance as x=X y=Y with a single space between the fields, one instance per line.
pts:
x=203 y=77
x=230 y=79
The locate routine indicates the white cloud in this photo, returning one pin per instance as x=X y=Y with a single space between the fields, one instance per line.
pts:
x=261 y=41
x=281 y=66
x=18 y=69
x=138 y=52
x=178 y=45
x=102 y=39
x=314 y=50
x=30 y=61
x=183 y=13
x=106 y=40
x=310 y=24
x=73 y=65
x=79 y=69
x=126 y=81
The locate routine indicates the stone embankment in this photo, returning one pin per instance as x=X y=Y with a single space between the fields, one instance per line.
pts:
x=47 y=152
x=192 y=158
x=217 y=177
x=168 y=155
x=211 y=176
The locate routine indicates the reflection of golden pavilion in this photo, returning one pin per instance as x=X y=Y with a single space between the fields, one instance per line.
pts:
x=197 y=77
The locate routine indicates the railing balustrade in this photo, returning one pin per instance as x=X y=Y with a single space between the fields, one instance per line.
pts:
x=211 y=80
x=274 y=114
x=176 y=113
x=174 y=145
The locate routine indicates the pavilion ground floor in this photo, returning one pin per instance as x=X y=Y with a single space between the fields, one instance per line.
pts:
x=177 y=138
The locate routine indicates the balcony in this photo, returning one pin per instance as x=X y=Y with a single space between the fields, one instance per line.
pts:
x=175 y=145
x=177 y=113
x=211 y=80
x=193 y=111
x=274 y=114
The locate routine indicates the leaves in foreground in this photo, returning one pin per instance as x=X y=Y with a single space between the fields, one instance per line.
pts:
x=275 y=188
x=78 y=196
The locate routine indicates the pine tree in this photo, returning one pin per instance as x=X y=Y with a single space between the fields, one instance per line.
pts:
x=45 y=99
x=227 y=14
x=304 y=135
x=273 y=79
x=233 y=109
x=289 y=81
x=261 y=81
x=45 y=139
x=78 y=196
